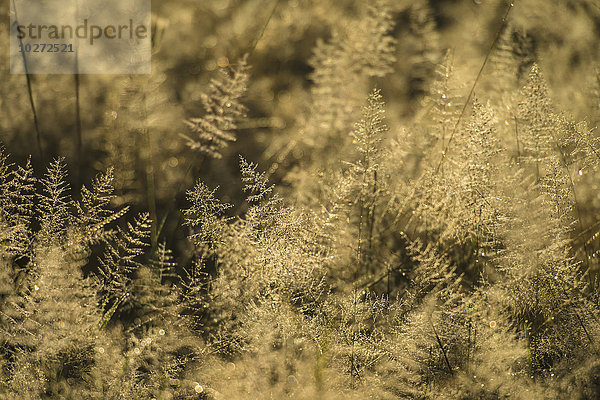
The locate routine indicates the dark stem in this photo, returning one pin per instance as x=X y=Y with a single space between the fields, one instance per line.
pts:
x=441 y=345
x=30 y=92
x=79 y=140
x=487 y=56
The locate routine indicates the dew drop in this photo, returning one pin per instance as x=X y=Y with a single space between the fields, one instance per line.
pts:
x=173 y=162
x=223 y=62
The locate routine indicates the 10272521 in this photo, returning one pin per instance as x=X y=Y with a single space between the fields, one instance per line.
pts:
x=46 y=48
